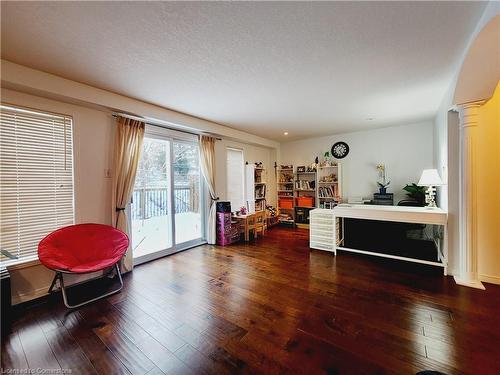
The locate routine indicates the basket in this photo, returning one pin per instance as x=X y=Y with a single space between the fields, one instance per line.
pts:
x=286 y=203
x=305 y=201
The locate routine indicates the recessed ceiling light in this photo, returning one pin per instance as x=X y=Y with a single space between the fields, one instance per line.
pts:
x=285 y=133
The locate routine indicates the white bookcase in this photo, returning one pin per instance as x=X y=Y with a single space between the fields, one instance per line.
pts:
x=256 y=188
x=321 y=227
x=285 y=182
x=329 y=186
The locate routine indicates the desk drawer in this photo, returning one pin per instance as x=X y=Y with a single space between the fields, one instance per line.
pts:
x=321 y=233
x=317 y=221
x=322 y=216
x=321 y=227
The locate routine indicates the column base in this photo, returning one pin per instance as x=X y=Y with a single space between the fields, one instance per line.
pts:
x=470 y=283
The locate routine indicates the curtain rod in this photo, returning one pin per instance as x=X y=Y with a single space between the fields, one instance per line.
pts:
x=163 y=124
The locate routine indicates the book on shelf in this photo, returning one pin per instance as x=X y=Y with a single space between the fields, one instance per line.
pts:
x=304 y=185
x=260 y=205
x=327 y=191
x=260 y=191
x=328 y=204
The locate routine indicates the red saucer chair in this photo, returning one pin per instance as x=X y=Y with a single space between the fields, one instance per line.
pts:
x=80 y=249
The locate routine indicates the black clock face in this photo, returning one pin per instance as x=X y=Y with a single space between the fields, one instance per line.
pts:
x=340 y=150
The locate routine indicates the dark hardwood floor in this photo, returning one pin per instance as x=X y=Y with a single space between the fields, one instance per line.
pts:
x=271 y=306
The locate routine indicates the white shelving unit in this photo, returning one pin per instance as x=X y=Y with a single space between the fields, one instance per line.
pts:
x=256 y=188
x=329 y=186
x=285 y=192
x=305 y=197
x=321 y=229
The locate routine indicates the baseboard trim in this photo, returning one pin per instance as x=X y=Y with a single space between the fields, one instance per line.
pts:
x=471 y=284
x=490 y=279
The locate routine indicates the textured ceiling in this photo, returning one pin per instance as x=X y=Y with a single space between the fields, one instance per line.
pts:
x=306 y=68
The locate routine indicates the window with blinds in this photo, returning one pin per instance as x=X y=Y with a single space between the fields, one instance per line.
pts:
x=36 y=179
x=235 y=178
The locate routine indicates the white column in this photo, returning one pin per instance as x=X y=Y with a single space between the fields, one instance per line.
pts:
x=469 y=119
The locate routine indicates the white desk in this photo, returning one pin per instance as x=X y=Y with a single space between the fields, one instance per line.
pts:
x=420 y=215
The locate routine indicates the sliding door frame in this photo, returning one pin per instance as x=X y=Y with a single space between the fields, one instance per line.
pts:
x=158 y=132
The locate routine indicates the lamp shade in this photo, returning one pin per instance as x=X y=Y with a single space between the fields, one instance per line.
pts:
x=430 y=177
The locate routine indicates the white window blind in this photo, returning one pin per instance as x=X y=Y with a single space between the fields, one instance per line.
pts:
x=235 y=178
x=36 y=179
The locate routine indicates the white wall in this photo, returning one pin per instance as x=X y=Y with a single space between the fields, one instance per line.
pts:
x=487 y=168
x=405 y=150
x=251 y=154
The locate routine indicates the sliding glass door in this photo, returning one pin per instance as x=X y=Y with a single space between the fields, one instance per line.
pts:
x=151 y=207
x=188 y=224
x=166 y=209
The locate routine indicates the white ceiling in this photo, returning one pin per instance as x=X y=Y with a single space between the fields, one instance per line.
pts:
x=302 y=67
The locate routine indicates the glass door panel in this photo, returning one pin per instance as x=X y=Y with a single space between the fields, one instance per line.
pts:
x=151 y=209
x=187 y=192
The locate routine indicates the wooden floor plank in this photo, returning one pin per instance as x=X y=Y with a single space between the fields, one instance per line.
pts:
x=101 y=357
x=38 y=352
x=13 y=356
x=68 y=353
x=116 y=341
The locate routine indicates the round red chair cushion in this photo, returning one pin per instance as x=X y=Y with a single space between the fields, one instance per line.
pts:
x=82 y=248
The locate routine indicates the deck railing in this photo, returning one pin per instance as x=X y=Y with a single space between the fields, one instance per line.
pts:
x=153 y=201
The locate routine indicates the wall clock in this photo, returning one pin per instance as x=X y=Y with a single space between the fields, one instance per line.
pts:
x=340 y=150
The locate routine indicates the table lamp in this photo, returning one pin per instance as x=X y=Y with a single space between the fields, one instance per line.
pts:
x=430 y=178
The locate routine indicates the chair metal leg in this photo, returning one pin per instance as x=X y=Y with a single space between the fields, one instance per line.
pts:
x=56 y=277
x=65 y=298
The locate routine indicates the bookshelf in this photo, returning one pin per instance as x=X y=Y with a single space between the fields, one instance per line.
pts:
x=304 y=196
x=260 y=188
x=285 y=193
x=256 y=188
x=329 y=187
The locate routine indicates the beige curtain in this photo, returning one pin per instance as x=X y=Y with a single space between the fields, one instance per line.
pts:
x=207 y=157
x=128 y=147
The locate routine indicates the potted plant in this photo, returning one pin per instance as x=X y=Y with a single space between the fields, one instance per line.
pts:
x=416 y=193
x=382 y=182
x=327 y=160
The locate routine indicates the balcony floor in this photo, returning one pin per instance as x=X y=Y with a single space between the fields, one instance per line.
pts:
x=151 y=235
